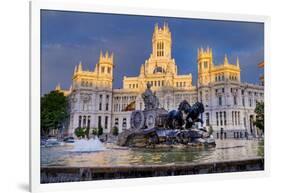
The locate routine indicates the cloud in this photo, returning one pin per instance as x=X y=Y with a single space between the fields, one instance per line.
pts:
x=70 y=37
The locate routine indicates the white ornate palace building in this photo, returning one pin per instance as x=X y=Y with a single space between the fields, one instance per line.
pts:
x=229 y=103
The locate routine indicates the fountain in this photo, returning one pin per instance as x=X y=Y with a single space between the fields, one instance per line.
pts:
x=88 y=145
x=154 y=126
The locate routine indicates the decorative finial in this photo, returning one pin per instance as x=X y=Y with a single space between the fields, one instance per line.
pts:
x=79 y=67
x=225 y=59
x=58 y=88
x=101 y=55
x=237 y=61
x=156 y=27
x=166 y=27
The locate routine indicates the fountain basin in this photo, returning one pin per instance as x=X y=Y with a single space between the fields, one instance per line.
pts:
x=87 y=145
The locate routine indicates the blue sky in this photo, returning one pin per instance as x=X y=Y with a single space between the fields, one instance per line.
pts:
x=70 y=37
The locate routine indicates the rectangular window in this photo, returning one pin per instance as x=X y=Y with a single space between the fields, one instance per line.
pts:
x=124 y=123
x=234 y=100
x=106 y=122
x=99 y=122
x=89 y=122
x=107 y=103
x=108 y=70
x=100 y=103
x=80 y=120
x=220 y=101
x=243 y=101
x=221 y=118
x=238 y=118
x=205 y=64
x=224 y=115
x=217 y=117
x=250 y=102
x=116 y=123
x=102 y=69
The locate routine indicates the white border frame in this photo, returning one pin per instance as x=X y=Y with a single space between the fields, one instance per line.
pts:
x=87 y=6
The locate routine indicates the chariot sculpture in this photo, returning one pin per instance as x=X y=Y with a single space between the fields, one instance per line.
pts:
x=153 y=123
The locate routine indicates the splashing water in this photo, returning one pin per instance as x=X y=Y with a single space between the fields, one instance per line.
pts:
x=90 y=145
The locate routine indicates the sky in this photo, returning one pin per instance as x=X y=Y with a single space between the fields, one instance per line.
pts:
x=70 y=37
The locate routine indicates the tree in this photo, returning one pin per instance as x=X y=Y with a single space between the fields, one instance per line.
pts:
x=80 y=132
x=95 y=131
x=259 y=110
x=53 y=111
x=115 y=131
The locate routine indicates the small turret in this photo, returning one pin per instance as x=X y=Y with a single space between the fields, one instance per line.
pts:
x=205 y=64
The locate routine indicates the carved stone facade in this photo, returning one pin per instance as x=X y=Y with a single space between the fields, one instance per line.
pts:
x=229 y=103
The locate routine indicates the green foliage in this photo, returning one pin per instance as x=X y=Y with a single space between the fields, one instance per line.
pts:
x=259 y=110
x=53 y=111
x=100 y=131
x=80 y=132
x=115 y=131
x=95 y=131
